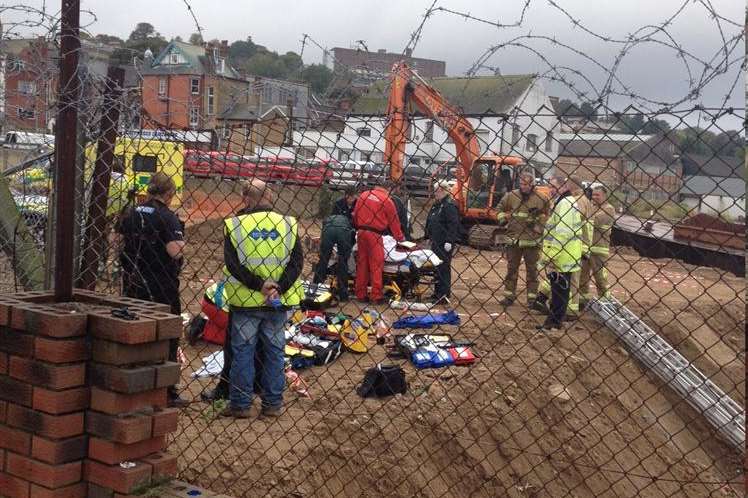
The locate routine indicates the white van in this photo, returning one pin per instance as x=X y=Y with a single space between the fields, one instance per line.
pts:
x=28 y=140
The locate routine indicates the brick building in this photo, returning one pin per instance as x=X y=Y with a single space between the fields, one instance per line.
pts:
x=371 y=66
x=30 y=77
x=643 y=166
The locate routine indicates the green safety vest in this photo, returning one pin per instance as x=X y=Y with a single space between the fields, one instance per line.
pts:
x=562 y=244
x=263 y=242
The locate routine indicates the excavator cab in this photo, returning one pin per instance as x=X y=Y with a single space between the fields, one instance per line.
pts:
x=490 y=179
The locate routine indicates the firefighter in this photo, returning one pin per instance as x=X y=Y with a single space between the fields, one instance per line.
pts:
x=562 y=248
x=594 y=263
x=374 y=213
x=151 y=257
x=263 y=261
x=586 y=210
x=337 y=232
x=443 y=229
x=523 y=212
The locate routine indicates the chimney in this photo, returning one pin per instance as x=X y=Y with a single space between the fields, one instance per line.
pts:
x=224 y=50
x=382 y=51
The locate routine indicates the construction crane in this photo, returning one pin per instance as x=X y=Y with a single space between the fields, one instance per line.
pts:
x=481 y=180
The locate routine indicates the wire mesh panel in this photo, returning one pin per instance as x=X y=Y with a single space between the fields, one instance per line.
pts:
x=556 y=280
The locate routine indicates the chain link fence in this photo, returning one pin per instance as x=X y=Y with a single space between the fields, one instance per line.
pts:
x=640 y=393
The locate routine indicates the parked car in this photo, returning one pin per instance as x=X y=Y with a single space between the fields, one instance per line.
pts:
x=417 y=179
x=311 y=172
x=349 y=173
x=198 y=162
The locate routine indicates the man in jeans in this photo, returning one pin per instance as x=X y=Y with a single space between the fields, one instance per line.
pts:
x=263 y=258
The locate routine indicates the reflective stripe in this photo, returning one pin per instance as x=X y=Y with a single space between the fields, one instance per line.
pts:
x=602 y=251
x=245 y=260
x=501 y=216
x=520 y=215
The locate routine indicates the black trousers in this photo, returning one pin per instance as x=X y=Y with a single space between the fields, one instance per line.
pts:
x=560 y=290
x=443 y=287
x=342 y=239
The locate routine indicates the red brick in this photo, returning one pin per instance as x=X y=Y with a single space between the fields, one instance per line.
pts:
x=113 y=453
x=168 y=326
x=43 y=424
x=113 y=353
x=96 y=491
x=12 y=487
x=121 y=379
x=168 y=374
x=4 y=363
x=47 y=375
x=116 y=403
x=51 y=476
x=54 y=323
x=14 y=342
x=77 y=490
x=127 y=430
x=117 y=478
x=164 y=465
x=41 y=296
x=5 y=306
x=15 y=390
x=3 y=411
x=105 y=326
x=58 y=402
x=165 y=421
x=18 y=314
x=15 y=440
x=60 y=350
x=57 y=451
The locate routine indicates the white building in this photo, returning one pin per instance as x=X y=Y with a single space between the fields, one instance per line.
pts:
x=717 y=196
x=511 y=115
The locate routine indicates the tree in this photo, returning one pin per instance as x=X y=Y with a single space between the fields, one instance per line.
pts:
x=728 y=143
x=241 y=51
x=696 y=141
x=588 y=110
x=143 y=31
x=318 y=76
x=109 y=39
x=197 y=39
x=568 y=109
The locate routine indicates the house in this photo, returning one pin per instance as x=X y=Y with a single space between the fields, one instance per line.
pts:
x=366 y=67
x=189 y=86
x=714 y=185
x=719 y=196
x=639 y=166
x=510 y=115
x=30 y=77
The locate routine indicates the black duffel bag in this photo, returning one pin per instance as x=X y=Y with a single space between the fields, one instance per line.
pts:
x=383 y=380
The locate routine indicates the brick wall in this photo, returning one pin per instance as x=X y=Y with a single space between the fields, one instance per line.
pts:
x=172 y=108
x=591 y=169
x=72 y=404
x=37 y=68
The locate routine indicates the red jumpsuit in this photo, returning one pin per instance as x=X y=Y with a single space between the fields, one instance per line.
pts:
x=374 y=213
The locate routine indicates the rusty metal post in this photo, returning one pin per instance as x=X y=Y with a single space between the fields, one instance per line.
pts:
x=65 y=148
x=96 y=225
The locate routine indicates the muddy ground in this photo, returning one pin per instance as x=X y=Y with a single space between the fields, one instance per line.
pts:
x=567 y=413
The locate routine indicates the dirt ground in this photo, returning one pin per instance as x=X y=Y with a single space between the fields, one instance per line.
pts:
x=566 y=413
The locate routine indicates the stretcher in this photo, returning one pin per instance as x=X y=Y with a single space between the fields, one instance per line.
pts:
x=402 y=280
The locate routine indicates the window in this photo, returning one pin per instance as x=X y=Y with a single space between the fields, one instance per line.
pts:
x=144 y=164
x=174 y=58
x=363 y=132
x=194 y=117
x=428 y=135
x=483 y=140
x=267 y=94
x=515 y=134
x=17 y=65
x=211 y=101
x=26 y=113
x=162 y=86
x=226 y=132
x=549 y=141
x=377 y=157
x=221 y=65
x=27 y=87
x=532 y=142
x=195 y=86
x=343 y=155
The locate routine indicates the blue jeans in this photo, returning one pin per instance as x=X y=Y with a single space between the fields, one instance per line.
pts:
x=246 y=328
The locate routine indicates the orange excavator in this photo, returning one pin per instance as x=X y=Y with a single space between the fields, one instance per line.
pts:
x=481 y=180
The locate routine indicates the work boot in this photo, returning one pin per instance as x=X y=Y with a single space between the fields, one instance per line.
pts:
x=548 y=325
x=174 y=400
x=235 y=412
x=507 y=301
x=538 y=305
x=271 y=411
x=211 y=395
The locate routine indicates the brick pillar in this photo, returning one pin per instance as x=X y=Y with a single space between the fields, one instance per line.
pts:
x=83 y=397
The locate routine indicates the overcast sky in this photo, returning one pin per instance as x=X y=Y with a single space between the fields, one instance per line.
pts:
x=649 y=70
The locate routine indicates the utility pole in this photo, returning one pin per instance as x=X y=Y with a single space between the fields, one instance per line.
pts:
x=65 y=148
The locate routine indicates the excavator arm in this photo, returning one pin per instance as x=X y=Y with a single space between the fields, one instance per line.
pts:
x=407 y=86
